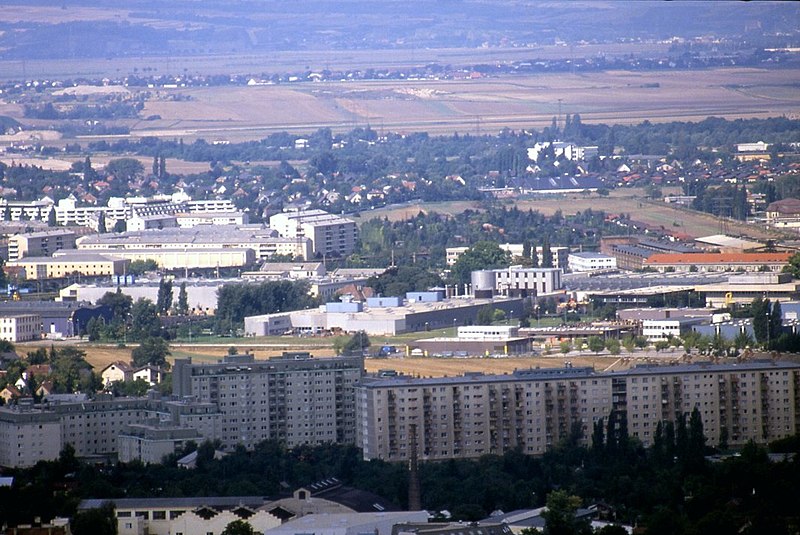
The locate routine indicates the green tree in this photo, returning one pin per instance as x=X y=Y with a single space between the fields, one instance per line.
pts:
x=164 y=297
x=238 y=527
x=565 y=346
x=183 y=300
x=101 y=222
x=547 y=254
x=89 y=174
x=598 y=435
x=99 y=521
x=793 y=266
x=144 y=319
x=485 y=315
x=139 y=267
x=338 y=344
x=398 y=281
x=560 y=518
x=71 y=372
x=482 y=255
x=125 y=169
x=51 y=218
x=629 y=343
x=119 y=303
x=526 y=249
x=613 y=346
x=653 y=192
x=690 y=340
x=3 y=276
x=94 y=329
x=760 y=310
x=357 y=343
x=775 y=321
x=152 y=350
x=135 y=388
x=596 y=344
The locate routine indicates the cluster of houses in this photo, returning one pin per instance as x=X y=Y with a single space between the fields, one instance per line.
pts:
x=36 y=380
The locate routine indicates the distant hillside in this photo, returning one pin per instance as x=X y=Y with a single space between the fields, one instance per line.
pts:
x=40 y=30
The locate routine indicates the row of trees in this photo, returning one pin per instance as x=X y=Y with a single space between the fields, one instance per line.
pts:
x=421 y=240
x=235 y=301
x=669 y=488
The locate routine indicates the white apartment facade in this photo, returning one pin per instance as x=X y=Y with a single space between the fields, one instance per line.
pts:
x=20 y=327
x=329 y=233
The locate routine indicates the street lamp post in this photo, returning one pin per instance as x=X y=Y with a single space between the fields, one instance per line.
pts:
x=769 y=327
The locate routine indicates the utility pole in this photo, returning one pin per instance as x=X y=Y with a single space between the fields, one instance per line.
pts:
x=558 y=123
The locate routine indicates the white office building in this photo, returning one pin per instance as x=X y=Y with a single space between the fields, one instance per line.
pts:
x=583 y=262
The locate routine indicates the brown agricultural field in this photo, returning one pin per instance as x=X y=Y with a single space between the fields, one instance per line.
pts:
x=101 y=356
x=469 y=106
x=444 y=367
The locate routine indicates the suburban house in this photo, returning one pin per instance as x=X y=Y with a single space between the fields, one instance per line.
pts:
x=117 y=371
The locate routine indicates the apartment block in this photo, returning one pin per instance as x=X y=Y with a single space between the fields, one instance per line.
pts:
x=150 y=442
x=329 y=233
x=39 y=243
x=31 y=433
x=27 y=437
x=758 y=401
x=294 y=398
x=476 y=414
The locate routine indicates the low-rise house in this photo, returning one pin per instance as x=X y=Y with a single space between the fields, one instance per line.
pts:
x=116 y=371
x=45 y=389
x=10 y=393
x=150 y=374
